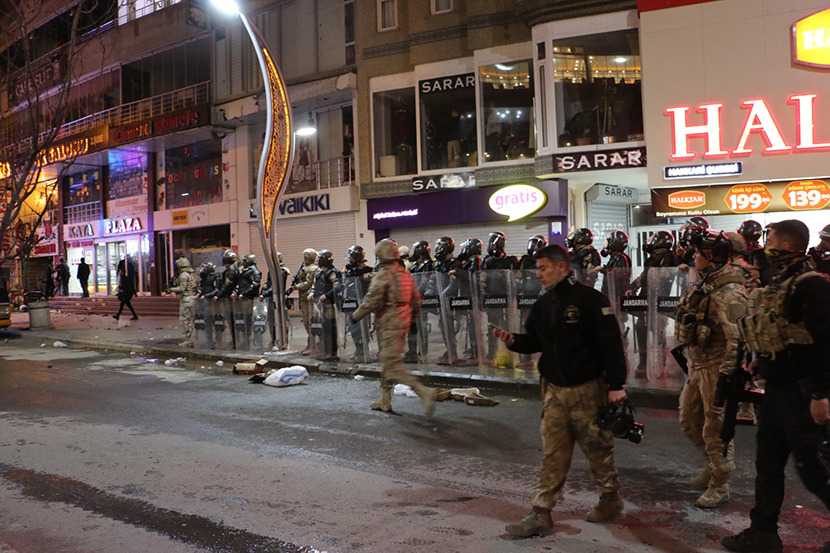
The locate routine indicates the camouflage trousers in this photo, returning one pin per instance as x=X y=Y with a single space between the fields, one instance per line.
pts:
x=393 y=371
x=305 y=310
x=701 y=421
x=568 y=417
x=186 y=316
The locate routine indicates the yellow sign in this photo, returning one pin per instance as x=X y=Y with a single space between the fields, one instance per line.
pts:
x=811 y=40
x=180 y=217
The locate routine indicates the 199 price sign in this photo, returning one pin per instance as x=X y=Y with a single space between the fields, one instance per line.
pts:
x=807 y=194
x=748 y=198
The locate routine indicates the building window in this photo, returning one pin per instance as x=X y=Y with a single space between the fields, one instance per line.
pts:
x=508 y=118
x=387 y=15
x=393 y=113
x=597 y=86
x=348 y=24
x=193 y=175
x=448 y=122
x=441 y=6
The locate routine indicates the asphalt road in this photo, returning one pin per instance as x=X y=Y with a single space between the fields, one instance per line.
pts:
x=103 y=452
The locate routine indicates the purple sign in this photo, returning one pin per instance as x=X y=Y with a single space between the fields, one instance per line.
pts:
x=462 y=206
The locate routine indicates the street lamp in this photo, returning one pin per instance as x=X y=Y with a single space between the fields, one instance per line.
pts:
x=274 y=163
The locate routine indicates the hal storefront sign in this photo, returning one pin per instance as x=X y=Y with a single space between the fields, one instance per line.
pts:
x=599 y=160
x=811 y=40
x=778 y=196
x=517 y=201
x=440 y=182
x=122 y=226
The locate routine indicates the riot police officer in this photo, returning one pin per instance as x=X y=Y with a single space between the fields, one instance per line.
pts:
x=530 y=287
x=185 y=288
x=207 y=278
x=325 y=291
x=685 y=253
x=356 y=274
x=494 y=283
x=470 y=255
x=617 y=270
x=446 y=264
x=247 y=286
x=421 y=258
x=584 y=256
x=230 y=277
x=821 y=252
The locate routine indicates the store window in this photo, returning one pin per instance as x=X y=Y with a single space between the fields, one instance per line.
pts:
x=387 y=15
x=508 y=118
x=193 y=174
x=128 y=174
x=448 y=122
x=597 y=86
x=393 y=112
x=82 y=196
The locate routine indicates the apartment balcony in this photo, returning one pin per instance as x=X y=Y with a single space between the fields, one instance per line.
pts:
x=322 y=174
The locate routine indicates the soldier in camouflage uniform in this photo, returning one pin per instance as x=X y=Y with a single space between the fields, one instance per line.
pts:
x=706 y=325
x=302 y=283
x=185 y=287
x=395 y=300
x=582 y=367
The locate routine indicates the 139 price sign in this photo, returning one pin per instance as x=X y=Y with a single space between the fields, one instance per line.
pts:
x=748 y=198
x=807 y=194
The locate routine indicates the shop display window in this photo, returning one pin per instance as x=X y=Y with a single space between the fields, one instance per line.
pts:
x=394 y=132
x=193 y=174
x=448 y=122
x=597 y=88
x=508 y=117
x=127 y=174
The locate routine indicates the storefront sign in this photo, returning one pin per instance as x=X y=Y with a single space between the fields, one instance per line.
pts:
x=759 y=121
x=157 y=126
x=74 y=146
x=598 y=160
x=517 y=201
x=180 y=217
x=37 y=79
x=611 y=194
x=84 y=230
x=442 y=84
x=741 y=198
x=811 y=40
x=438 y=182
x=703 y=170
x=345 y=198
x=122 y=226
x=45 y=249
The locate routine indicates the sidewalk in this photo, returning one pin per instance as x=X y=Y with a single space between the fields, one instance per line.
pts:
x=157 y=337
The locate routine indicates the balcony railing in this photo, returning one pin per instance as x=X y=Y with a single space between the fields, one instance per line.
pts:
x=126 y=113
x=82 y=212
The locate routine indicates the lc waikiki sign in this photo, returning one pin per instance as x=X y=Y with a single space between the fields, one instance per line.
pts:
x=811 y=40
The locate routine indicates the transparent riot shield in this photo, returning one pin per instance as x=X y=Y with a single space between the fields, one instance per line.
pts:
x=202 y=324
x=664 y=291
x=586 y=277
x=446 y=285
x=357 y=334
x=465 y=316
x=528 y=290
x=498 y=308
x=420 y=347
x=615 y=283
x=242 y=323
x=324 y=322
x=260 y=336
x=222 y=324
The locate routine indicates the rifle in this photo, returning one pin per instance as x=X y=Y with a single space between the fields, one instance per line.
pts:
x=730 y=391
x=294 y=280
x=677 y=353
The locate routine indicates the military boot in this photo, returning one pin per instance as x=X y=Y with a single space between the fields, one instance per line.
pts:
x=713 y=496
x=537 y=523
x=701 y=481
x=753 y=541
x=188 y=343
x=428 y=396
x=385 y=402
x=746 y=413
x=610 y=505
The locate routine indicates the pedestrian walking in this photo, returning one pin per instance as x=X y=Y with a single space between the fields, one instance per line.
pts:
x=62 y=277
x=582 y=368
x=395 y=300
x=127 y=285
x=788 y=328
x=83 y=277
x=47 y=281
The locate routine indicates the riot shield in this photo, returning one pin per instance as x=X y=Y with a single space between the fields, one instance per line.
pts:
x=222 y=324
x=202 y=324
x=615 y=283
x=324 y=324
x=445 y=286
x=528 y=290
x=419 y=349
x=465 y=315
x=358 y=334
x=260 y=337
x=242 y=323
x=663 y=294
x=498 y=308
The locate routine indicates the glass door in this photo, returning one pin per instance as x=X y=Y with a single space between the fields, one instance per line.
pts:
x=116 y=251
x=100 y=280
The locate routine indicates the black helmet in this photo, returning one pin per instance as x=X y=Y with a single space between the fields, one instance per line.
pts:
x=229 y=257
x=751 y=230
x=325 y=259
x=824 y=234
x=357 y=254
x=659 y=240
x=206 y=268
x=444 y=247
x=469 y=248
x=536 y=243
x=580 y=237
x=715 y=241
x=495 y=243
x=683 y=234
x=617 y=241
x=249 y=260
x=420 y=251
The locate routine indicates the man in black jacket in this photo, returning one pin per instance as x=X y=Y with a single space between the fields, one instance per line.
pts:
x=582 y=367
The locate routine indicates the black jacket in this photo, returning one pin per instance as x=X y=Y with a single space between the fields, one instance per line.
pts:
x=576 y=331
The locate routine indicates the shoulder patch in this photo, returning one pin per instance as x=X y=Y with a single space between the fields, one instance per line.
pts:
x=607 y=311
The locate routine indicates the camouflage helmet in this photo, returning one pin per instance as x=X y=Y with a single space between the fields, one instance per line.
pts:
x=469 y=248
x=617 y=241
x=309 y=256
x=404 y=251
x=182 y=262
x=714 y=241
x=580 y=237
x=249 y=260
x=356 y=254
x=420 y=251
x=536 y=243
x=495 y=243
x=444 y=247
x=751 y=230
x=229 y=257
x=325 y=259
x=387 y=251
x=824 y=234
x=207 y=268
x=660 y=240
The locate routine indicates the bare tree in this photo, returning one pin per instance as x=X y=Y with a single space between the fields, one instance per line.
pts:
x=36 y=103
